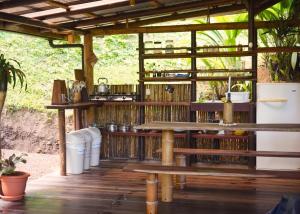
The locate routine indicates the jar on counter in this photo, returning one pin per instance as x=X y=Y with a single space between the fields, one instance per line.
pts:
x=158 y=45
x=169 y=46
x=148 y=44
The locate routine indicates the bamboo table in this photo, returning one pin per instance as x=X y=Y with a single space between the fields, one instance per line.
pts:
x=62 y=128
x=168 y=129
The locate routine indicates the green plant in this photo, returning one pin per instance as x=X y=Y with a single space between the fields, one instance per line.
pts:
x=8 y=166
x=279 y=64
x=243 y=86
x=222 y=38
x=9 y=74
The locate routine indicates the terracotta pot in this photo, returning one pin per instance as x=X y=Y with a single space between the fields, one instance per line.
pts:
x=13 y=186
x=77 y=97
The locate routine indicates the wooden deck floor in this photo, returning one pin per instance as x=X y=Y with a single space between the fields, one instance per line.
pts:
x=109 y=190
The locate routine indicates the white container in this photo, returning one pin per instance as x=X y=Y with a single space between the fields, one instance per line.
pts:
x=88 y=147
x=239 y=97
x=96 y=145
x=75 y=144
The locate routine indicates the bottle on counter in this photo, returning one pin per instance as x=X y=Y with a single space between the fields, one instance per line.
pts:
x=228 y=110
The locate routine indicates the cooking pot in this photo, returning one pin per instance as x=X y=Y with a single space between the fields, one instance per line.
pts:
x=103 y=87
x=111 y=127
x=124 y=127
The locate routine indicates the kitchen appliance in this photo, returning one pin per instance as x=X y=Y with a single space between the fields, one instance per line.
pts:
x=112 y=127
x=103 y=88
x=124 y=127
x=114 y=97
x=278 y=103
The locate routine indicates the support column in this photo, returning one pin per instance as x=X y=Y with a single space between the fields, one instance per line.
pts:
x=252 y=37
x=141 y=139
x=62 y=141
x=89 y=73
x=151 y=187
x=180 y=179
x=167 y=160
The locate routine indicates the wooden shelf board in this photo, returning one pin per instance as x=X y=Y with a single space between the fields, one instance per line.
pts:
x=220 y=136
x=82 y=105
x=141 y=134
x=209 y=107
x=147 y=103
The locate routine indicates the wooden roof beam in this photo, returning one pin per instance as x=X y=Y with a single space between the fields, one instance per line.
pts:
x=28 y=30
x=136 y=14
x=176 y=16
x=195 y=27
x=7 y=17
x=50 y=14
x=13 y=3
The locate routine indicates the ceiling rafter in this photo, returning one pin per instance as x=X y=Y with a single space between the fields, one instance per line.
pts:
x=265 y=4
x=149 y=12
x=11 y=18
x=87 y=10
x=176 y=16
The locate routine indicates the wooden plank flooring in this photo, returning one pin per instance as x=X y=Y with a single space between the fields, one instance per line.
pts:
x=109 y=190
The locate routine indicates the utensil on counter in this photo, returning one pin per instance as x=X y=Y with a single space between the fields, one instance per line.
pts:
x=124 y=127
x=103 y=87
x=112 y=127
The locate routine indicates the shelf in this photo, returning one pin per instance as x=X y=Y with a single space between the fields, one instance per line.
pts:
x=202 y=71
x=220 y=136
x=224 y=78
x=225 y=54
x=83 y=105
x=141 y=134
x=146 y=103
x=199 y=55
x=165 y=79
x=211 y=107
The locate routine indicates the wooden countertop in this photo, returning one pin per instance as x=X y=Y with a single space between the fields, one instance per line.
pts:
x=82 y=105
x=189 y=126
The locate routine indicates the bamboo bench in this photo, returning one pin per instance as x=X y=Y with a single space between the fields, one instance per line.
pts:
x=180 y=157
x=154 y=170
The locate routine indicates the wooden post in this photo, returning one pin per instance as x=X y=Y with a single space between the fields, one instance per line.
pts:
x=180 y=179
x=89 y=74
x=141 y=139
x=151 y=194
x=62 y=141
x=167 y=160
x=252 y=37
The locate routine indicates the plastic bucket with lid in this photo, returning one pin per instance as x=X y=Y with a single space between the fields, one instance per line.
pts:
x=96 y=144
x=88 y=146
x=75 y=144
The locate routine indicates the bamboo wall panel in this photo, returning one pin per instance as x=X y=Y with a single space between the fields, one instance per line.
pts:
x=119 y=147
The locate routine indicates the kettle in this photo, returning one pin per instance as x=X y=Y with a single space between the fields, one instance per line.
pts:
x=103 y=87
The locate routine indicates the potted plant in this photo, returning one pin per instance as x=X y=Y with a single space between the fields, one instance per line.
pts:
x=13 y=183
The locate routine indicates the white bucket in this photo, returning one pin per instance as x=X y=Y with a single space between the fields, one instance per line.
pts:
x=75 y=144
x=88 y=147
x=96 y=144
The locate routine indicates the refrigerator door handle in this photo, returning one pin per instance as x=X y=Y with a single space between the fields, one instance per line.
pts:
x=275 y=100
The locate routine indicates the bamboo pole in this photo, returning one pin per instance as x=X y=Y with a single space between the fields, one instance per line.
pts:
x=151 y=187
x=89 y=73
x=180 y=179
x=167 y=160
x=62 y=141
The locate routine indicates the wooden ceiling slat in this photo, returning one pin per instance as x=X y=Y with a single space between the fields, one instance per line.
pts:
x=11 y=3
x=173 y=17
x=149 y=12
x=88 y=10
x=28 y=30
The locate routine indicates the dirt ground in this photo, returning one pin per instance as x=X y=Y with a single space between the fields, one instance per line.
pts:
x=32 y=132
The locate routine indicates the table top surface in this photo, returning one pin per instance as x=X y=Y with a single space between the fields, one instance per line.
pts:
x=191 y=126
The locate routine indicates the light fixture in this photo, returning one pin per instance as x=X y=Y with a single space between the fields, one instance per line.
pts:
x=132 y=2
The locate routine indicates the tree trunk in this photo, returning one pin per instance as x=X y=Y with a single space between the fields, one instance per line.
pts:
x=2 y=100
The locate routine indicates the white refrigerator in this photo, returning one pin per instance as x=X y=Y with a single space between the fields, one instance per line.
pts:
x=278 y=103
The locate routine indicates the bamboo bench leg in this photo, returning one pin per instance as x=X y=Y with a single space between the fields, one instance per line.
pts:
x=180 y=179
x=151 y=194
